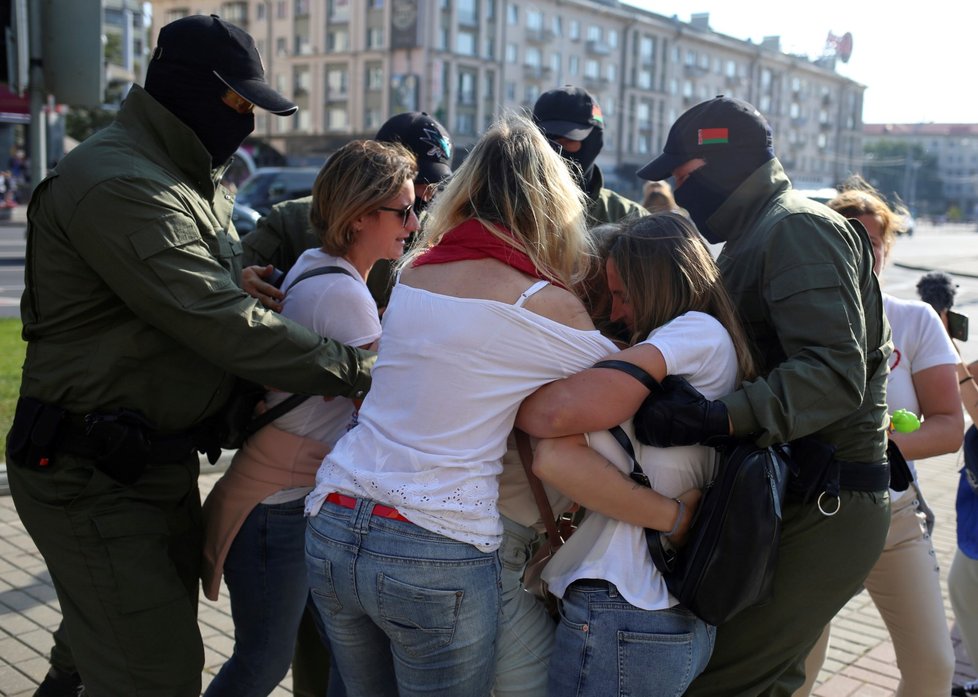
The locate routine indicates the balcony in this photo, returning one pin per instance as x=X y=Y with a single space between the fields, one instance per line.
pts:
x=598 y=48
x=538 y=36
x=536 y=72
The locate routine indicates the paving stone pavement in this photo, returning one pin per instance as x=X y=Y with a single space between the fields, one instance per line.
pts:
x=860 y=660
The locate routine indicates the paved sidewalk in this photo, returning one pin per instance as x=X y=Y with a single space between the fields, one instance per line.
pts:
x=860 y=660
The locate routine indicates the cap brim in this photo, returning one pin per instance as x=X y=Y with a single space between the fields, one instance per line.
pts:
x=259 y=93
x=433 y=172
x=661 y=167
x=566 y=129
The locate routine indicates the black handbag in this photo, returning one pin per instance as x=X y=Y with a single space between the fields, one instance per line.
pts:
x=727 y=564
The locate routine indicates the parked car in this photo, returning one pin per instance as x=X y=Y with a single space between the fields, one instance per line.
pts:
x=271 y=185
x=244 y=218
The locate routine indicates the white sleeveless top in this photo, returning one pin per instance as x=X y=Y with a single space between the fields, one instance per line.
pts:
x=449 y=378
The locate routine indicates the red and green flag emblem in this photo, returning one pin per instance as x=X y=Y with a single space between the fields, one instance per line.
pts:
x=713 y=136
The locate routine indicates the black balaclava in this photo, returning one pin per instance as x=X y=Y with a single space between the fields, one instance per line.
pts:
x=194 y=97
x=582 y=161
x=706 y=188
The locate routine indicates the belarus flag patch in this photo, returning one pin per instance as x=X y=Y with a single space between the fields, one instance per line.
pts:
x=712 y=136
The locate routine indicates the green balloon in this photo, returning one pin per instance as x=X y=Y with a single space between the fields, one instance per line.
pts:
x=904 y=421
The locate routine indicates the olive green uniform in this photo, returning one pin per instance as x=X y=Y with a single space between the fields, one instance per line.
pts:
x=802 y=280
x=606 y=206
x=132 y=303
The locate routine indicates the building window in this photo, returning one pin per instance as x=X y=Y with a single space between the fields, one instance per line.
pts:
x=281 y=46
x=613 y=38
x=466 y=87
x=301 y=8
x=375 y=78
x=512 y=14
x=574 y=32
x=512 y=53
x=235 y=12
x=611 y=70
x=574 y=66
x=337 y=119
x=592 y=69
x=260 y=11
x=338 y=40
x=336 y=82
x=594 y=33
x=534 y=20
x=555 y=63
x=644 y=80
x=372 y=120
x=465 y=43
x=533 y=57
x=281 y=9
x=558 y=25
x=375 y=37
x=467 y=12
x=177 y=13
x=510 y=91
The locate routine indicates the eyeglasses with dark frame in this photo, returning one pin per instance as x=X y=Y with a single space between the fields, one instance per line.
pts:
x=405 y=213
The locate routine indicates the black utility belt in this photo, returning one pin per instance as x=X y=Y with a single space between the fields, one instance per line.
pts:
x=864 y=476
x=121 y=442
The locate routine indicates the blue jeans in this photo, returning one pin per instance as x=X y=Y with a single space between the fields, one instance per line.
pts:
x=526 y=629
x=408 y=612
x=606 y=646
x=265 y=572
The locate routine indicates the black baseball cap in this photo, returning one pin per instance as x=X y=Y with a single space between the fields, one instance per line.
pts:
x=426 y=138
x=568 y=112
x=211 y=44
x=720 y=124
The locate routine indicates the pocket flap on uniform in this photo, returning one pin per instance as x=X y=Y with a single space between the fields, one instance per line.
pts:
x=803 y=278
x=174 y=231
x=130 y=524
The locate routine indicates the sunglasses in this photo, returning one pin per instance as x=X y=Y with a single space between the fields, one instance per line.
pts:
x=405 y=213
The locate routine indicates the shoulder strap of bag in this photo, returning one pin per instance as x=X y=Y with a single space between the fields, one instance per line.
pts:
x=318 y=271
x=635 y=371
x=536 y=486
x=292 y=401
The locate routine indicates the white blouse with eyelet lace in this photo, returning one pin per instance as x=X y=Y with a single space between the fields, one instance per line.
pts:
x=450 y=376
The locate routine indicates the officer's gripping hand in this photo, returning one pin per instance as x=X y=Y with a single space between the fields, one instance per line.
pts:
x=680 y=415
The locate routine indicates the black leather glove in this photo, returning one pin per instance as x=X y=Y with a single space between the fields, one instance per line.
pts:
x=680 y=415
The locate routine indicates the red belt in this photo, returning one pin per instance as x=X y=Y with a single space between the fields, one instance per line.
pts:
x=379 y=509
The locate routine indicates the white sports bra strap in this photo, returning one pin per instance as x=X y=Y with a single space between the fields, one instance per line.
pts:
x=539 y=285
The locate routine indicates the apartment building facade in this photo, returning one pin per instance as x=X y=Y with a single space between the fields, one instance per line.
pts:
x=350 y=64
x=954 y=147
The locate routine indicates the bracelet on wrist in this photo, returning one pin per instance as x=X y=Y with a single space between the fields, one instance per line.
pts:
x=679 y=518
x=965 y=379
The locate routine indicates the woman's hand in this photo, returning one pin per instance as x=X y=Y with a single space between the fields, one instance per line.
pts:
x=254 y=284
x=690 y=497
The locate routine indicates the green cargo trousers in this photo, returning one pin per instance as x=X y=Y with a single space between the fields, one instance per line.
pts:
x=125 y=562
x=823 y=561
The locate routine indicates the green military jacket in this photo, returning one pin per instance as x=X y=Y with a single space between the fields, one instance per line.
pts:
x=606 y=206
x=802 y=280
x=131 y=295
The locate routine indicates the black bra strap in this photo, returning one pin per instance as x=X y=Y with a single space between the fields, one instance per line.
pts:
x=639 y=374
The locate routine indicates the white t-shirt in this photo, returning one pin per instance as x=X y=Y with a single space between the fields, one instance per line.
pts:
x=698 y=348
x=450 y=376
x=333 y=305
x=919 y=342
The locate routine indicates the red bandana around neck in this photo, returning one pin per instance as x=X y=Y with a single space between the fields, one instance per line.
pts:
x=471 y=240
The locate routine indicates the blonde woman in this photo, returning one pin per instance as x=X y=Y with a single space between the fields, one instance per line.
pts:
x=404 y=528
x=362 y=210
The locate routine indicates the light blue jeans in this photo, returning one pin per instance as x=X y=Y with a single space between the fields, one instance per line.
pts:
x=265 y=572
x=607 y=646
x=526 y=629
x=409 y=612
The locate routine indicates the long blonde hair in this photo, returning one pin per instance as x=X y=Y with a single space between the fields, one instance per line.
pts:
x=514 y=179
x=859 y=197
x=666 y=270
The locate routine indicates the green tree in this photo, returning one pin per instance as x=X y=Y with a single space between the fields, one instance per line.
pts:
x=905 y=174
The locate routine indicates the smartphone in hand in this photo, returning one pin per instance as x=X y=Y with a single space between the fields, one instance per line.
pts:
x=957 y=325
